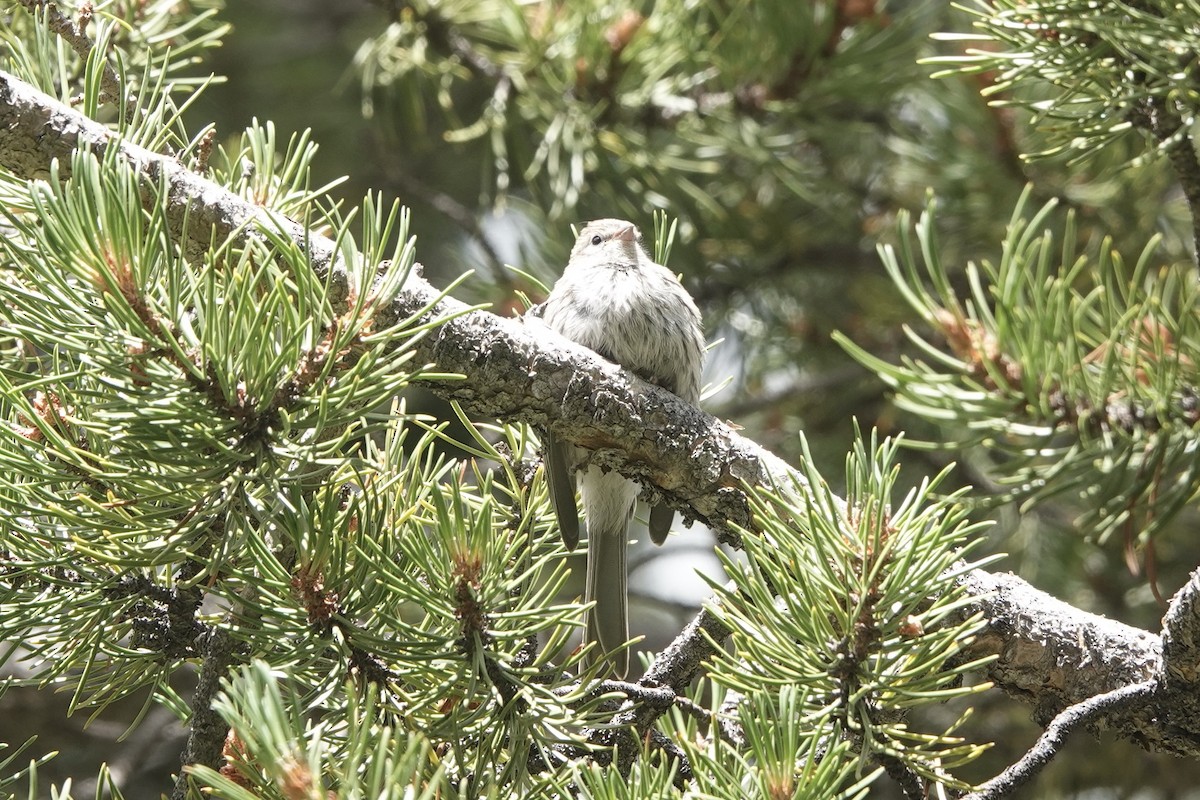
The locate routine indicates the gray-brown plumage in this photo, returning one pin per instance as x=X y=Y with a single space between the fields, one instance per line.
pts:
x=615 y=300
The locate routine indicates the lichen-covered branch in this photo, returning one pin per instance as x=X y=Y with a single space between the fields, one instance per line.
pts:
x=1177 y=711
x=1051 y=654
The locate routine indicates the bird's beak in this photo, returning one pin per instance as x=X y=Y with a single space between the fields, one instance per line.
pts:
x=626 y=234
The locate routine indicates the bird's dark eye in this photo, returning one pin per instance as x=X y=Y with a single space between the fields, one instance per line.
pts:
x=597 y=239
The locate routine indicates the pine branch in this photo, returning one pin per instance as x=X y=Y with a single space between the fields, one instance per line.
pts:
x=1181 y=633
x=674 y=669
x=1173 y=136
x=520 y=371
x=75 y=36
x=1179 y=705
x=1055 y=736
x=1053 y=656
x=208 y=730
x=1170 y=691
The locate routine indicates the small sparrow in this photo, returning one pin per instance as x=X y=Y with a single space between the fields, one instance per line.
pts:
x=614 y=299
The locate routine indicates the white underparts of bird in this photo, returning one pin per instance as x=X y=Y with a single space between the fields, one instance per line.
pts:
x=614 y=299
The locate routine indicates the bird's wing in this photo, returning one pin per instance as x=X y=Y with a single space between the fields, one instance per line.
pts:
x=661 y=517
x=562 y=489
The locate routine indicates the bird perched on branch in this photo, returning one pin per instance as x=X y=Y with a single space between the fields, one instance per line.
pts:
x=614 y=299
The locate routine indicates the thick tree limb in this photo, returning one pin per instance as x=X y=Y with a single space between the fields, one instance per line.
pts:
x=1169 y=695
x=1050 y=654
x=1178 y=709
x=1053 y=656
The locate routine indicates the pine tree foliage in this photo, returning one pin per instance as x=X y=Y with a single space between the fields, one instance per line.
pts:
x=1072 y=363
x=270 y=759
x=204 y=466
x=196 y=470
x=871 y=566
x=611 y=89
x=1057 y=361
x=1089 y=73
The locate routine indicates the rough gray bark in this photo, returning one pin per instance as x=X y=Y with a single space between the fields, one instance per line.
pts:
x=1050 y=654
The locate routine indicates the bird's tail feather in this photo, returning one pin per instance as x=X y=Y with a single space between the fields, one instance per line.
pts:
x=609 y=500
x=608 y=620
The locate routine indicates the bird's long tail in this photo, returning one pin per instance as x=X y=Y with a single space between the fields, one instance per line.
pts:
x=608 y=501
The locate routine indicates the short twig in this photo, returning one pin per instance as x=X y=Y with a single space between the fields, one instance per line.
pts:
x=1174 y=138
x=1055 y=735
x=656 y=697
x=669 y=675
x=206 y=738
x=718 y=724
x=71 y=33
x=913 y=785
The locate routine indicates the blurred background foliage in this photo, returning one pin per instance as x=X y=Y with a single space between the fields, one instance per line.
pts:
x=787 y=138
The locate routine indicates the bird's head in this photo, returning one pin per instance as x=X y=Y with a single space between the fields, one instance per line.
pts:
x=612 y=242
